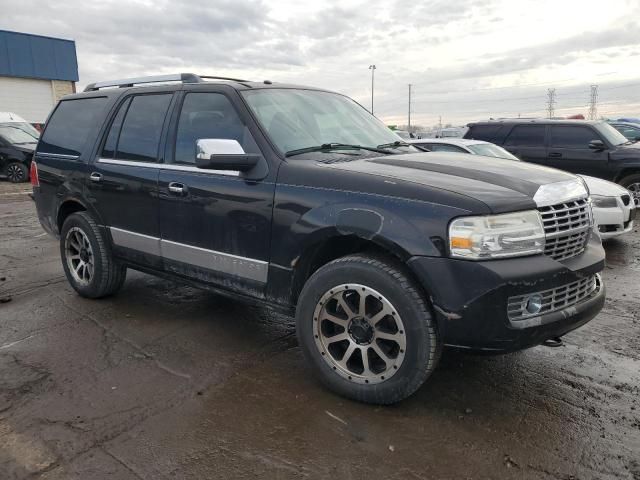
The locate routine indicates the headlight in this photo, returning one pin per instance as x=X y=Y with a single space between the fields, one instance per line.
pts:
x=497 y=236
x=599 y=201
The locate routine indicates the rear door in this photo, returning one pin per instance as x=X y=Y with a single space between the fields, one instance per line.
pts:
x=215 y=224
x=122 y=182
x=569 y=150
x=527 y=142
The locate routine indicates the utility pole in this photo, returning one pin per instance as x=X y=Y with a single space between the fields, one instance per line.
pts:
x=593 y=105
x=551 y=102
x=373 y=69
x=409 y=121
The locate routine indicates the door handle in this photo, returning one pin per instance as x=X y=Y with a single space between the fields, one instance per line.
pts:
x=95 y=177
x=555 y=155
x=177 y=188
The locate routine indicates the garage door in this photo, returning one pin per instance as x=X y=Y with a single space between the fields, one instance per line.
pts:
x=30 y=99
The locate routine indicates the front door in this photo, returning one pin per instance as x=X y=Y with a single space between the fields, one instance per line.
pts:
x=215 y=225
x=122 y=182
x=569 y=150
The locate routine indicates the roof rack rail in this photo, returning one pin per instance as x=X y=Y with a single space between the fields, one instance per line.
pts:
x=178 y=77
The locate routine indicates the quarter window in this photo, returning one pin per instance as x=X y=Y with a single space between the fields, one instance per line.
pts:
x=137 y=138
x=444 y=147
x=69 y=127
x=526 y=136
x=209 y=115
x=488 y=133
x=572 y=136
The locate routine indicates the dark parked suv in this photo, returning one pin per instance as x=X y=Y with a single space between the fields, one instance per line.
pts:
x=17 y=142
x=589 y=147
x=298 y=199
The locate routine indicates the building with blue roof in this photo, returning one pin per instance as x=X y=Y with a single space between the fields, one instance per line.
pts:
x=35 y=72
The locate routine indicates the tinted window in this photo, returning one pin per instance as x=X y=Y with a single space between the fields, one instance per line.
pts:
x=69 y=126
x=142 y=127
x=629 y=132
x=209 y=115
x=572 y=137
x=488 y=133
x=526 y=136
x=109 y=149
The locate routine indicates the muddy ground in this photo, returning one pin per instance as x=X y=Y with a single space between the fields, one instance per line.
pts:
x=164 y=381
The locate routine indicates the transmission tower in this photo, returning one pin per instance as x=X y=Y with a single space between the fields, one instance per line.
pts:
x=593 y=104
x=551 y=102
x=409 y=117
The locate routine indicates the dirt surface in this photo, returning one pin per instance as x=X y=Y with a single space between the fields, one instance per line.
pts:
x=164 y=381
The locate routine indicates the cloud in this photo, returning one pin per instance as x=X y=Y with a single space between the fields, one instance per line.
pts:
x=450 y=52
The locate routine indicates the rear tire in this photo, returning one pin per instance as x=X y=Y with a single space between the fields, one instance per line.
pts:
x=367 y=329
x=87 y=259
x=17 y=172
x=632 y=183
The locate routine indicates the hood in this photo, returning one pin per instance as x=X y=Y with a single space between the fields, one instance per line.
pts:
x=26 y=148
x=503 y=185
x=597 y=186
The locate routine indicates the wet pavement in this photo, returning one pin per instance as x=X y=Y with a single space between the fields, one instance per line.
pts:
x=164 y=381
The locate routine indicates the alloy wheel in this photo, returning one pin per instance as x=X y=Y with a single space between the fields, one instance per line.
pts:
x=359 y=334
x=79 y=256
x=15 y=173
x=634 y=188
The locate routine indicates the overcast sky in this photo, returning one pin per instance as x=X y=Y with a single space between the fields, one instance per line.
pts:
x=466 y=59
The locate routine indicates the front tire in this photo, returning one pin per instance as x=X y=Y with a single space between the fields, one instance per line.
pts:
x=632 y=183
x=87 y=260
x=367 y=329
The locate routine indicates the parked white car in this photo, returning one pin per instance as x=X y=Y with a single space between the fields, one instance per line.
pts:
x=613 y=206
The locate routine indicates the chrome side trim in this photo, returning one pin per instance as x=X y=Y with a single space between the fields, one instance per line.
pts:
x=57 y=155
x=249 y=268
x=163 y=166
x=135 y=241
x=243 y=267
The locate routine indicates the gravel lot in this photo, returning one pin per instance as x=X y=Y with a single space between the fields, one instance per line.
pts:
x=166 y=381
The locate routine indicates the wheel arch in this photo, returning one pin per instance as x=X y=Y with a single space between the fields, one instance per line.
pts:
x=625 y=172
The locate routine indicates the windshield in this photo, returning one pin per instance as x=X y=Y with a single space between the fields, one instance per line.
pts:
x=612 y=135
x=18 y=133
x=490 y=150
x=297 y=119
x=402 y=134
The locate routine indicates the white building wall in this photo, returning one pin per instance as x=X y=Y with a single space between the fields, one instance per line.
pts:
x=29 y=98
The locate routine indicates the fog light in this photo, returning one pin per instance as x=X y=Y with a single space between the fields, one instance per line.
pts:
x=532 y=304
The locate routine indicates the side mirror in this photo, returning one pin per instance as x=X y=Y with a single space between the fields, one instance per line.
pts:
x=597 y=145
x=223 y=154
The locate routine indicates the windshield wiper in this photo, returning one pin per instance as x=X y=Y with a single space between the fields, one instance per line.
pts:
x=327 y=147
x=397 y=143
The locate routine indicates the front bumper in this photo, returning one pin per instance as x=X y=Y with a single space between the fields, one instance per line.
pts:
x=471 y=298
x=616 y=220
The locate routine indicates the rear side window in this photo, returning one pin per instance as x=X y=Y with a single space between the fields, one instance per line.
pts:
x=526 y=136
x=488 y=133
x=136 y=129
x=572 y=136
x=445 y=147
x=69 y=127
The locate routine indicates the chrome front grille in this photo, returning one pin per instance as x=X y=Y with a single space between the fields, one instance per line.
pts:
x=554 y=299
x=566 y=227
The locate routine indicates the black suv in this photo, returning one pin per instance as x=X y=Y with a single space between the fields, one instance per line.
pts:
x=580 y=146
x=17 y=142
x=298 y=199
